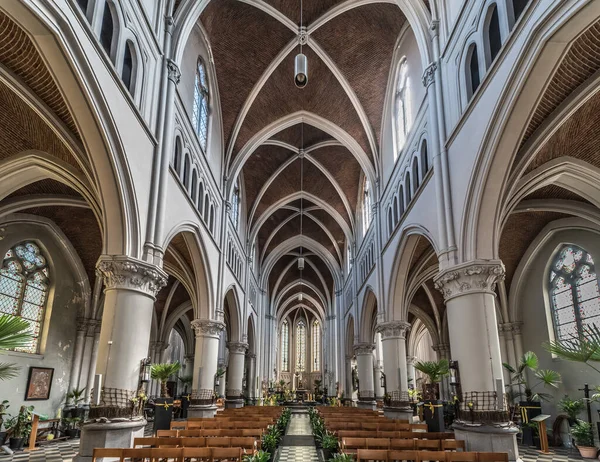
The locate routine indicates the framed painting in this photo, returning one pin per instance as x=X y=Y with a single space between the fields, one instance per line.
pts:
x=39 y=383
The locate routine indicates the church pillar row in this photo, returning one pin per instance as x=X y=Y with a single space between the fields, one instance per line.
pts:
x=252 y=385
x=364 y=360
x=410 y=371
x=393 y=342
x=206 y=355
x=235 y=374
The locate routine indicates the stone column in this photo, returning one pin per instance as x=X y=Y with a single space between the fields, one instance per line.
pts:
x=410 y=371
x=237 y=351
x=222 y=380
x=206 y=354
x=348 y=389
x=82 y=327
x=95 y=332
x=130 y=293
x=442 y=351
x=251 y=377
x=469 y=293
x=393 y=341
x=366 y=388
x=377 y=370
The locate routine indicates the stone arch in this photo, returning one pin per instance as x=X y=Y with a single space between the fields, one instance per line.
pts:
x=368 y=317
x=232 y=314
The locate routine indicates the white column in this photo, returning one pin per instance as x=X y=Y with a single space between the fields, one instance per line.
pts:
x=393 y=341
x=251 y=378
x=410 y=371
x=364 y=360
x=348 y=388
x=205 y=357
x=377 y=370
x=235 y=370
x=131 y=288
x=93 y=360
x=78 y=352
x=222 y=380
x=189 y=365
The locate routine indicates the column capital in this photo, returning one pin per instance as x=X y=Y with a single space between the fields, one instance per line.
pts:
x=251 y=355
x=514 y=327
x=411 y=360
x=443 y=349
x=85 y=324
x=207 y=327
x=393 y=329
x=478 y=276
x=188 y=357
x=158 y=346
x=174 y=72
x=122 y=272
x=361 y=349
x=331 y=317
x=429 y=75
x=237 y=347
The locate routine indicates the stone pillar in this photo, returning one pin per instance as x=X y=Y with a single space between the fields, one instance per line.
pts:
x=222 y=380
x=189 y=365
x=393 y=341
x=377 y=370
x=366 y=388
x=130 y=293
x=82 y=327
x=469 y=293
x=348 y=389
x=207 y=333
x=95 y=329
x=237 y=351
x=251 y=378
x=410 y=371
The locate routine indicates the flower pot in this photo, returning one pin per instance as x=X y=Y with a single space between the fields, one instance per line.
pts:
x=16 y=444
x=327 y=454
x=433 y=412
x=2 y=438
x=163 y=414
x=587 y=452
x=529 y=410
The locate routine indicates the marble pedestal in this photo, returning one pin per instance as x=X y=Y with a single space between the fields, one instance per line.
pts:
x=488 y=438
x=399 y=413
x=366 y=404
x=202 y=411
x=234 y=403
x=118 y=434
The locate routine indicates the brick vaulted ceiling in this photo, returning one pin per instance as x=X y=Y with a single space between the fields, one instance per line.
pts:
x=349 y=55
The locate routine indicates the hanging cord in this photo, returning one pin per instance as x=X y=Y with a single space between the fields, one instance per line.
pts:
x=300 y=37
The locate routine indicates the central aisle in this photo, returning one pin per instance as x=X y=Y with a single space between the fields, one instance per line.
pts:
x=298 y=443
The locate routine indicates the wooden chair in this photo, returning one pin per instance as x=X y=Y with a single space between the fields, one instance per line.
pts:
x=403 y=445
x=167 y=433
x=376 y=455
x=197 y=454
x=219 y=442
x=369 y=426
x=461 y=457
x=427 y=445
x=211 y=433
x=402 y=456
x=351 y=445
x=137 y=455
x=254 y=433
x=492 y=457
x=230 y=432
x=418 y=427
x=227 y=454
x=101 y=453
x=386 y=434
x=193 y=442
x=165 y=454
x=431 y=456
x=387 y=426
x=189 y=433
x=377 y=443
x=209 y=424
x=156 y=442
x=196 y=424
x=178 y=424
x=243 y=442
x=453 y=445
x=403 y=427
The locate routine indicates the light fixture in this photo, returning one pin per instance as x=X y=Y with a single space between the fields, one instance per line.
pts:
x=300 y=263
x=301 y=62
x=454 y=374
x=300 y=296
x=145 y=367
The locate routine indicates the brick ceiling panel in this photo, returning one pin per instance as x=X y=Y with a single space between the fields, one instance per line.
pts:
x=317 y=184
x=323 y=96
x=301 y=288
x=241 y=51
x=278 y=269
x=286 y=183
x=269 y=226
x=47 y=186
x=437 y=296
x=180 y=296
x=423 y=246
x=311 y=9
x=421 y=300
x=332 y=225
x=324 y=270
x=295 y=134
x=293 y=274
x=163 y=294
x=553 y=191
x=178 y=243
x=518 y=233
x=365 y=56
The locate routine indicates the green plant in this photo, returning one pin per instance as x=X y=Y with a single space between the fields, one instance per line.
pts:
x=71 y=422
x=20 y=425
x=76 y=396
x=259 y=456
x=3 y=407
x=583 y=434
x=571 y=407
x=341 y=457
x=329 y=442
x=583 y=348
x=14 y=333
x=186 y=380
x=547 y=377
x=434 y=370
x=270 y=440
x=162 y=372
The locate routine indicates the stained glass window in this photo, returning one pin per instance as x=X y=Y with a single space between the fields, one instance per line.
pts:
x=402 y=109
x=366 y=206
x=285 y=347
x=316 y=334
x=574 y=291
x=24 y=279
x=301 y=346
x=235 y=205
x=200 y=108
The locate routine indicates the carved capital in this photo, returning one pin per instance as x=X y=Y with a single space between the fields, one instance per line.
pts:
x=87 y=324
x=121 y=272
x=411 y=360
x=174 y=72
x=510 y=327
x=472 y=277
x=429 y=75
x=237 y=347
x=331 y=317
x=393 y=329
x=361 y=349
x=188 y=358
x=251 y=355
x=207 y=327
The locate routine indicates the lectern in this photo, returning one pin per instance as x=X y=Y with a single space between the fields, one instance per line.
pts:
x=541 y=421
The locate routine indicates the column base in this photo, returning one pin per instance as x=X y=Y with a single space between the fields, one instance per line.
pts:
x=399 y=413
x=108 y=435
x=233 y=403
x=488 y=438
x=201 y=411
x=367 y=404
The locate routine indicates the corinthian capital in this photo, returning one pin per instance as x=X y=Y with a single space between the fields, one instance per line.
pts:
x=393 y=329
x=207 y=327
x=363 y=349
x=237 y=347
x=473 y=277
x=121 y=272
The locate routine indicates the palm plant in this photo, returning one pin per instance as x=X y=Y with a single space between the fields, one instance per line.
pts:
x=76 y=396
x=434 y=370
x=162 y=372
x=583 y=348
x=14 y=333
x=547 y=377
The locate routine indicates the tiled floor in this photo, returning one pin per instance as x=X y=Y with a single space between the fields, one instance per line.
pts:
x=298 y=444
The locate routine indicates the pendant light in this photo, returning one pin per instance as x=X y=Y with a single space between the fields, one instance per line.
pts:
x=301 y=62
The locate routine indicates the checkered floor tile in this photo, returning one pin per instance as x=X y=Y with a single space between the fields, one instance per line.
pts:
x=298 y=445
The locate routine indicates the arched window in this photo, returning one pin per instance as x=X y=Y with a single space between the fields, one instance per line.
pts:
x=200 y=109
x=519 y=7
x=235 y=205
x=201 y=198
x=206 y=209
x=194 y=185
x=107 y=29
x=574 y=294
x=401 y=198
x=177 y=159
x=402 y=107
x=390 y=221
x=301 y=346
x=408 y=188
x=24 y=280
x=285 y=347
x=396 y=218
x=316 y=334
x=186 y=172
x=473 y=79
x=424 y=158
x=415 y=172
x=366 y=205
x=212 y=219
x=493 y=34
x=129 y=67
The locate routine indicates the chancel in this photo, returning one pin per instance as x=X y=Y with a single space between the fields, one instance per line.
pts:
x=299 y=230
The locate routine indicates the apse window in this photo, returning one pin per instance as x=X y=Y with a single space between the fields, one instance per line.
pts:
x=285 y=347
x=200 y=108
x=316 y=335
x=301 y=346
x=366 y=206
x=24 y=280
x=402 y=107
x=574 y=293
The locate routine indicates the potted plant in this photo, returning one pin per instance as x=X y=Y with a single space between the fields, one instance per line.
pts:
x=521 y=387
x=163 y=406
x=186 y=381
x=270 y=440
x=3 y=407
x=584 y=439
x=341 y=457
x=19 y=427
x=329 y=444
x=432 y=407
x=13 y=334
x=258 y=456
x=571 y=407
x=72 y=426
x=75 y=399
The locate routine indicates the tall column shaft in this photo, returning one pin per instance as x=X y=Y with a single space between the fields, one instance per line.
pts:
x=348 y=386
x=205 y=356
x=364 y=360
x=78 y=353
x=393 y=341
x=252 y=376
x=410 y=369
x=237 y=352
x=93 y=362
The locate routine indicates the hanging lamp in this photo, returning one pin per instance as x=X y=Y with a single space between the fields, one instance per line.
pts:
x=301 y=62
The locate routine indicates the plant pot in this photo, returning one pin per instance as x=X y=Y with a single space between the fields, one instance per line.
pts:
x=327 y=454
x=587 y=452
x=2 y=438
x=434 y=416
x=529 y=410
x=16 y=444
x=163 y=414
